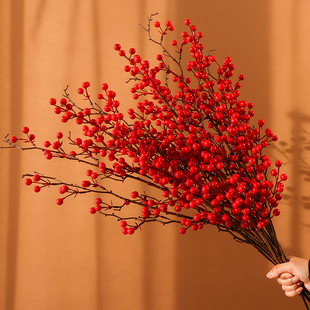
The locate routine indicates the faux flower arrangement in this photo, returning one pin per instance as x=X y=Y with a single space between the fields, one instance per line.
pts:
x=195 y=146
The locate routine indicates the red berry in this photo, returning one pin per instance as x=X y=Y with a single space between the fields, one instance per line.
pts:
x=278 y=163
x=63 y=101
x=85 y=183
x=134 y=194
x=278 y=196
x=117 y=47
x=98 y=201
x=92 y=210
x=13 y=139
x=163 y=207
x=86 y=111
x=36 y=178
x=31 y=137
x=157 y=24
x=274 y=172
x=283 y=177
x=267 y=163
x=130 y=230
x=127 y=68
x=121 y=53
x=59 y=135
x=156 y=212
x=137 y=59
x=80 y=91
x=69 y=106
x=260 y=225
x=104 y=86
x=63 y=189
x=78 y=141
x=177 y=208
x=111 y=94
x=184 y=34
x=261 y=123
x=25 y=130
x=64 y=119
x=57 y=110
x=28 y=182
x=59 y=201
x=98 y=208
x=194 y=227
x=132 y=51
x=123 y=223
x=52 y=101
x=48 y=156
x=36 y=189
x=196 y=217
x=85 y=84
x=47 y=143
x=182 y=231
x=212 y=58
x=94 y=175
x=56 y=145
x=168 y=23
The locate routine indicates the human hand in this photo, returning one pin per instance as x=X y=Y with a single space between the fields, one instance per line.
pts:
x=291 y=276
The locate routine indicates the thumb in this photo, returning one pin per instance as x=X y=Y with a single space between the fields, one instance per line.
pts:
x=277 y=270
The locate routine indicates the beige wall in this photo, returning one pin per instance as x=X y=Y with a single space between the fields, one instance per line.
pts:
x=60 y=257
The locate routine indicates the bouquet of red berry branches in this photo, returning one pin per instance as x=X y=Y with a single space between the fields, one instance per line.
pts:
x=189 y=138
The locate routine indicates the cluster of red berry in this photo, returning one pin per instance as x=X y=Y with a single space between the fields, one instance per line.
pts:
x=195 y=145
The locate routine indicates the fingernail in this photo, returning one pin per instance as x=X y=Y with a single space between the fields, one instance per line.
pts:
x=299 y=290
x=269 y=274
x=294 y=280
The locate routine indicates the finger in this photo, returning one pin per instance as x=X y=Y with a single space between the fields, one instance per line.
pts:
x=293 y=293
x=291 y=288
x=288 y=281
x=286 y=275
x=277 y=270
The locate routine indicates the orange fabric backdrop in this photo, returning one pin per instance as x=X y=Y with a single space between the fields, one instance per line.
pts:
x=60 y=257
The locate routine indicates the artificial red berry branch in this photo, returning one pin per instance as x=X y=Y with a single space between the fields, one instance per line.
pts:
x=189 y=138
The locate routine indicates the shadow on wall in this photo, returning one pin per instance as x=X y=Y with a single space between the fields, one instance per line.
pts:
x=296 y=155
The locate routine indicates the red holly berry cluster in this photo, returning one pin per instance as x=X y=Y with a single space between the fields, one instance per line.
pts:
x=189 y=137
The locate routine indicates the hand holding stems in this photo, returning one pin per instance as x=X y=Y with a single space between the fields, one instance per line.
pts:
x=292 y=275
